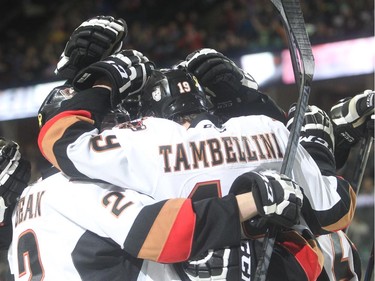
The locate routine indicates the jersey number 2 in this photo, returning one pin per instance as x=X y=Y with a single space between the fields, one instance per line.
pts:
x=28 y=257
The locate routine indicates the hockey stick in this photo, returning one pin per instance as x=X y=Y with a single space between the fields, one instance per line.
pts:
x=361 y=162
x=360 y=166
x=303 y=67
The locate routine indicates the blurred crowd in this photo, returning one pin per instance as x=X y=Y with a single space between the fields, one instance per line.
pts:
x=34 y=38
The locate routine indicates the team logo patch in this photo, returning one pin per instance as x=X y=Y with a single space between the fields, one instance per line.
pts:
x=156 y=94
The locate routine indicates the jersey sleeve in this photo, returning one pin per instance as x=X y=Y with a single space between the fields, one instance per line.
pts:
x=168 y=231
x=77 y=116
x=330 y=200
x=193 y=229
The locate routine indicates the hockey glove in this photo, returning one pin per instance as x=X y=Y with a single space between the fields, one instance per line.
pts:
x=352 y=121
x=226 y=83
x=221 y=264
x=316 y=136
x=15 y=173
x=278 y=198
x=92 y=41
x=127 y=72
x=6 y=227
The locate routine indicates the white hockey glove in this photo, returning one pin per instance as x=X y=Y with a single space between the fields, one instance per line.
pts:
x=14 y=174
x=316 y=136
x=127 y=71
x=92 y=41
x=278 y=198
x=220 y=265
x=350 y=115
x=352 y=121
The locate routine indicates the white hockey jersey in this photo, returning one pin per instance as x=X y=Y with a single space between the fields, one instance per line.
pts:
x=162 y=159
x=95 y=231
x=199 y=162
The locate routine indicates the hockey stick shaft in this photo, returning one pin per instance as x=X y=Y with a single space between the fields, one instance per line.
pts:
x=303 y=67
x=361 y=162
x=360 y=166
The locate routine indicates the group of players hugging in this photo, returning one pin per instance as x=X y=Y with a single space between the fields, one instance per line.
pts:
x=173 y=173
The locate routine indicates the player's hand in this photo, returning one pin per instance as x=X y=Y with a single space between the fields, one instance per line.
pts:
x=316 y=136
x=352 y=121
x=350 y=117
x=221 y=77
x=221 y=264
x=126 y=71
x=92 y=41
x=278 y=198
x=14 y=174
x=6 y=231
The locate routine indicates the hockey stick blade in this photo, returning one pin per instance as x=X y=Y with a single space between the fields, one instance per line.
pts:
x=303 y=67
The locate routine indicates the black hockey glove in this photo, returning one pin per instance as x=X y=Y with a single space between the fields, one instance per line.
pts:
x=227 y=84
x=127 y=71
x=352 y=121
x=317 y=136
x=15 y=173
x=92 y=41
x=278 y=198
x=222 y=264
x=6 y=227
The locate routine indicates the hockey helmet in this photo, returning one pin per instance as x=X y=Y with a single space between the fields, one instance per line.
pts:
x=53 y=101
x=170 y=93
x=61 y=93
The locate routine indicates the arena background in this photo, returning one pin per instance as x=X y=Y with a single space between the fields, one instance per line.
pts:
x=33 y=34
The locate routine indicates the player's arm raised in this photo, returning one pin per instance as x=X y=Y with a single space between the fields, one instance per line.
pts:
x=233 y=91
x=121 y=74
x=92 y=41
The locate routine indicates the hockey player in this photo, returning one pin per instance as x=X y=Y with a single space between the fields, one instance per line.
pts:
x=68 y=229
x=237 y=149
x=229 y=105
x=14 y=177
x=350 y=118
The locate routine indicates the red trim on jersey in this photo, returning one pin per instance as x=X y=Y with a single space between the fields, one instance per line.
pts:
x=306 y=257
x=183 y=230
x=51 y=122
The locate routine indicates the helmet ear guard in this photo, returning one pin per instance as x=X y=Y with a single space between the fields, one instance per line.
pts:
x=53 y=101
x=170 y=93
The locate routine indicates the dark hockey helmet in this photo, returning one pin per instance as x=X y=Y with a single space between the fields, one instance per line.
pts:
x=58 y=94
x=171 y=93
x=53 y=101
